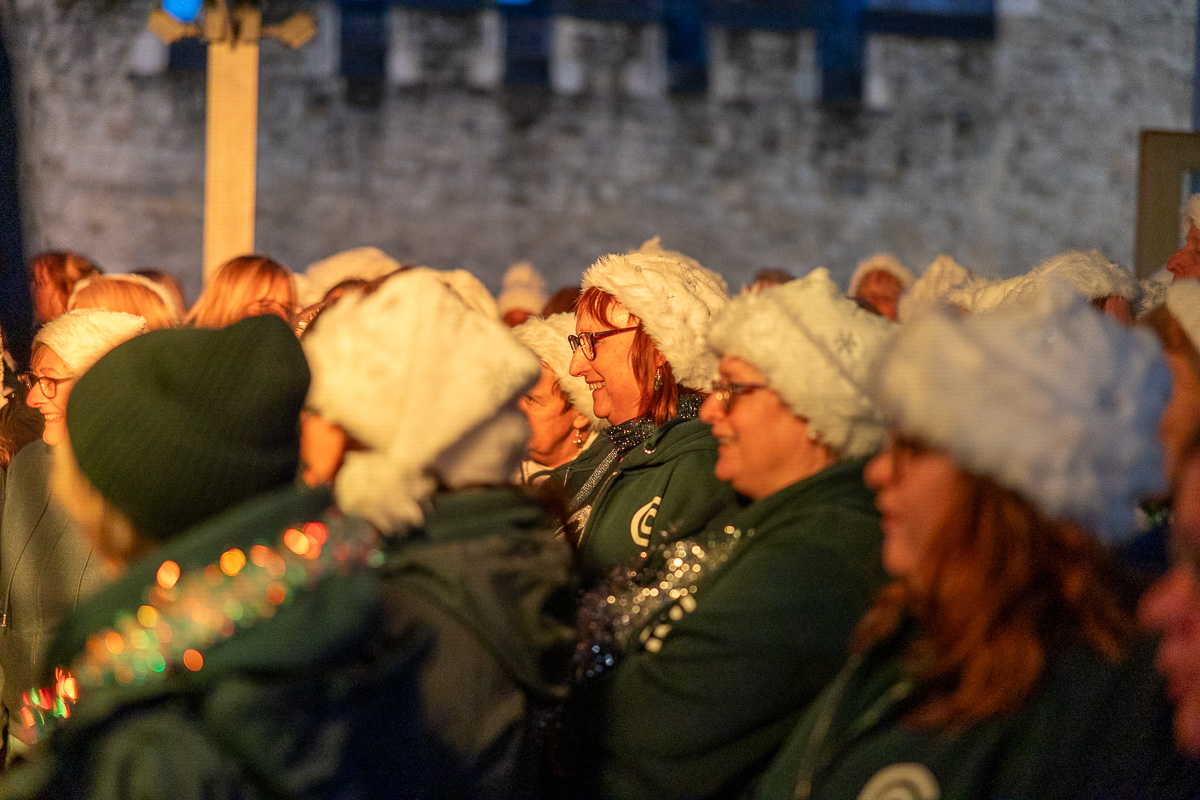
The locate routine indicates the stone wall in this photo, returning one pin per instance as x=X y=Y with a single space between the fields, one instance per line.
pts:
x=1000 y=153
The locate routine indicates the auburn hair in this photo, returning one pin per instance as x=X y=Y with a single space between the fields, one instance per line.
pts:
x=244 y=287
x=998 y=586
x=661 y=404
x=59 y=270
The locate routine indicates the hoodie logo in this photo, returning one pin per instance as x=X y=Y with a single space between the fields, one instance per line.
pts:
x=642 y=523
x=902 y=782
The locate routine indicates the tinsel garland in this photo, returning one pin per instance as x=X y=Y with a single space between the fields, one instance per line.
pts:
x=646 y=598
x=182 y=614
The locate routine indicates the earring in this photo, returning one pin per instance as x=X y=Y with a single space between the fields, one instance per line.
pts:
x=658 y=379
x=579 y=438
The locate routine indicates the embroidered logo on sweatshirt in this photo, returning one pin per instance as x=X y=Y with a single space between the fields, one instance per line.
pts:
x=642 y=524
x=908 y=781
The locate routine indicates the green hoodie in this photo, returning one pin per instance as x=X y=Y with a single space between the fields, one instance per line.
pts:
x=708 y=685
x=662 y=490
x=1092 y=730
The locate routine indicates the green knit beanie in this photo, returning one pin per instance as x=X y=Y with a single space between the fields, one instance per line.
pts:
x=175 y=426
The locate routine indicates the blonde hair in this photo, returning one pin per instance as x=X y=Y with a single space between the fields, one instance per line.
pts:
x=132 y=294
x=107 y=528
x=244 y=287
x=169 y=284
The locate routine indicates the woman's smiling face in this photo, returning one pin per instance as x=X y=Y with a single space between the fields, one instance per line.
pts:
x=616 y=395
x=54 y=409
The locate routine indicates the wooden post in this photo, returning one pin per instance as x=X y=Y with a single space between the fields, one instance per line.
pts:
x=232 y=144
x=230 y=152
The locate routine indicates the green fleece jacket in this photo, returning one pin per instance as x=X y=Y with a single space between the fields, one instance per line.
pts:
x=711 y=682
x=1092 y=731
x=487 y=585
x=46 y=569
x=662 y=490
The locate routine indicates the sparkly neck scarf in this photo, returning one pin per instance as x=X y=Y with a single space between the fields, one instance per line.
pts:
x=631 y=433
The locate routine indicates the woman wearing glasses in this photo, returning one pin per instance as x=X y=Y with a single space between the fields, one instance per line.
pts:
x=46 y=565
x=639 y=345
x=1000 y=662
x=559 y=405
x=724 y=641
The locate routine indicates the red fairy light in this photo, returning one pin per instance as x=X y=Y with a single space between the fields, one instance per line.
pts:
x=193 y=660
x=317 y=532
x=260 y=555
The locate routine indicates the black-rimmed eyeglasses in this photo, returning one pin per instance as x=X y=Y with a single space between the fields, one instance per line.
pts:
x=49 y=386
x=728 y=392
x=587 y=340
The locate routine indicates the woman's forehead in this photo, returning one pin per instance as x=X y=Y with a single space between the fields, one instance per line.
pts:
x=47 y=361
x=617 y=313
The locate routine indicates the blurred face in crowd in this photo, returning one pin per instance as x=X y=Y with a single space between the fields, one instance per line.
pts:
x=1181 y=417
x=762 y=446
x=919 y=490
x=882 y=290
x=47 y=364
x=515 y=317
x=1116 y=307
x=1186 y=261
x=616 y=395
x=322 y=448
x=553 y=422
x=1172 y=607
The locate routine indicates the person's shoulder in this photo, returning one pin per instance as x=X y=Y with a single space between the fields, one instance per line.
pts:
x=33 y=457
x=676 y=437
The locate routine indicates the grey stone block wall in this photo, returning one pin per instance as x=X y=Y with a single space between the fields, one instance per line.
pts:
x=999 y=153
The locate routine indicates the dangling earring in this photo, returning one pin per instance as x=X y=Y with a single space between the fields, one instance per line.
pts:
x=658 y=379
x=579 y=438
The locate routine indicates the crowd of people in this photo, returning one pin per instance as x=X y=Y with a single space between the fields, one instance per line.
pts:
x=366 y=530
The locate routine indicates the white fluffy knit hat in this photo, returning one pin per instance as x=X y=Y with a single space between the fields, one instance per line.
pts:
x=80 y=337
x=885 y=262
x=942 y=282
x=1088 y=271
x=360 y=262
x=1183 y=302
x=547 y=338
x=522 y=288
x=1051 y=399
x=675 y=298
x=816 y=349
x=409 y=371
x=1154 y=290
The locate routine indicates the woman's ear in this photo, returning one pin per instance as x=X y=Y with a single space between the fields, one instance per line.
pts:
x=580 y=423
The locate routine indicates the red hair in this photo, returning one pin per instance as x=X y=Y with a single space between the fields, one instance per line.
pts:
x=660 y=405
x=58 y=271
x=999 y=585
